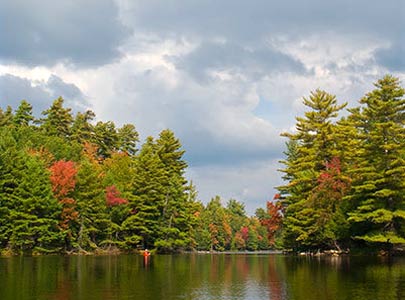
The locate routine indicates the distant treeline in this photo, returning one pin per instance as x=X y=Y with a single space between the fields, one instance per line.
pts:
x=345 y=179
x=71 y=185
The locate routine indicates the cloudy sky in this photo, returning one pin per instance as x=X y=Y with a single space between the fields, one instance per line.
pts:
x=226 y=76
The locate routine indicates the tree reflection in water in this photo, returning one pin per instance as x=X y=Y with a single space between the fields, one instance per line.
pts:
x=217 y=276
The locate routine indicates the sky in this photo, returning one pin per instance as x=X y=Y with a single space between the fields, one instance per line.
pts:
x=226 y=76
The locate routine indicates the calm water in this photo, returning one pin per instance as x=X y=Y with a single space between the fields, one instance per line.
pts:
x=202 y=277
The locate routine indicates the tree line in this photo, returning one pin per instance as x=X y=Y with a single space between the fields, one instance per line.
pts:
x=345 y=178
x=69 y=184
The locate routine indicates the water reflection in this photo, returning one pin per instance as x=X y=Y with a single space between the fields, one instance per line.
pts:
x=274 y=277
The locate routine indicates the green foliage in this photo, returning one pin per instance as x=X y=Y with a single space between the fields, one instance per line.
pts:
x=378 y=189
x=30 y=213
x=6 y=117
x=362 y=198
x=309 y=151
x=148 y=197
x=344 y=184
x=23 y=115
x=89 y=194
x=58 y=120
x=127 y=139
x=82 y=128
x=105 y=138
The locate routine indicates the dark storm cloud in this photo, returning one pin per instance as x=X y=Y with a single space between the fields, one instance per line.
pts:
x=233 y=58
x=40 y=94
x=247 y=20
x=68 y=90
x=243 y=25
x=79 y=32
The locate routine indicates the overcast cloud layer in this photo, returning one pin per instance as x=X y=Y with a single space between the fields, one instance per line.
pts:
x=226 y=76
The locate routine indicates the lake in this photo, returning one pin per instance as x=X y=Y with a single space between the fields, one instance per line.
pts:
x=202 y=276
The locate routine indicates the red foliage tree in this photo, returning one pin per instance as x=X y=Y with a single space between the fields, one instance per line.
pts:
x=331 y=177
x=273 y=219
x=244 y=231
x=113 y=196
x=332 y=186
x=63 y=179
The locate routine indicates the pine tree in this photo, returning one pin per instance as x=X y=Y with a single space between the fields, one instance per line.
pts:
x=173 y=225
x=193 y=206
x=216 y=220
x=119 y=171
x=309 y=149
x=6 y=117
x=29 y=212
x=58 y=120
x=23 y=115
x=9 y=160
x=82 y=129
x=141 y=228
x=237 y=219
x=106 y=138
x=94 y=221
x=35 y=215
x=127 y=139
x=379 y=187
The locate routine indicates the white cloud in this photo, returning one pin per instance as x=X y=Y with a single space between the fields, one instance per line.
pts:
x=225 y=84
x=253 y=183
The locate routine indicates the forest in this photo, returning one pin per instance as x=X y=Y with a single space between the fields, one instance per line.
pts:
x=69 y=184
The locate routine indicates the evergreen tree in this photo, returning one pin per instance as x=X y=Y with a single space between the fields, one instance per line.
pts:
x=82 y=129
x=89 y=194
x=237 y=219
x=216 y=220
x=127 y=139
x=6 y=117
x=58 y=120
x=237 y=214
x=119 y=171
x=173 y=225
x=309 y=149
x=23 y=115
x=378 y=188
x=10 y=158
x=192 y=209
x=141 y=228
x=106 y=138
x=34 y=217
x=28 y=211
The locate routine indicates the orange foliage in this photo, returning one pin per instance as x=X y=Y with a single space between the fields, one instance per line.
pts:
x=63 y=179
x=273 y=220
x=214 y=232
x=69 y=212
x=90 y=152
x=44 y=154
x=63 y=175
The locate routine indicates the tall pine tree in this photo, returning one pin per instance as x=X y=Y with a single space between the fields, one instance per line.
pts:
x=309 y=149
x=174 y=228
x=379 y=187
